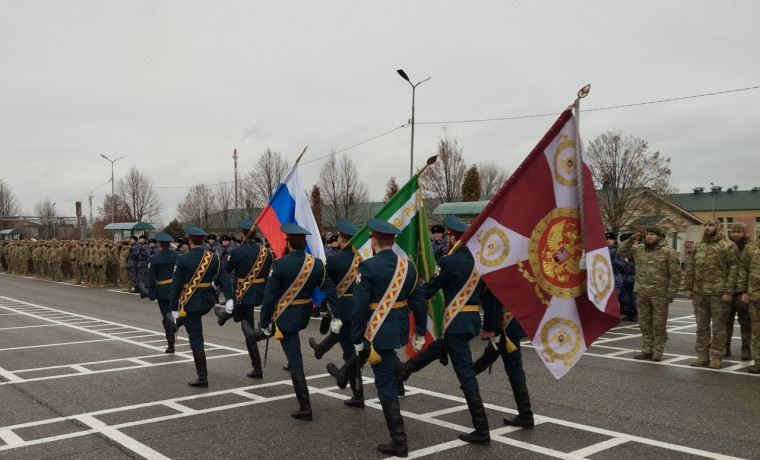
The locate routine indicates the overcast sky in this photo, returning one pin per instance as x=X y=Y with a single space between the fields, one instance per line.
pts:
x=175 y=86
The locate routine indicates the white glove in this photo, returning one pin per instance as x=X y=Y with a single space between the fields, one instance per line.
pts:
x=213 y=284
x=359 y=347
x=175 y=314
x=418 y=342
x=335 y=325
x=268 y=330
x=229 y=305
x=494 y=340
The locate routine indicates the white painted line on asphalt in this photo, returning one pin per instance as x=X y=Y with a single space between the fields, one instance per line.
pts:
x=28 y=327
x=598 y=447
x=126 y=441
x=55 y=344
x=10 y=438
x=9 y=376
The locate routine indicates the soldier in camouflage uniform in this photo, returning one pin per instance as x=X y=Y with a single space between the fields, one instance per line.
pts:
x=710 y=273
x=748 y=285
x=124 y=279
x=738 y=307
x=658 y=274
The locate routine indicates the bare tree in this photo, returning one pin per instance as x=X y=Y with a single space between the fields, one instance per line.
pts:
x=225 y=201
x=492 y=178
x=45 y=210
x=9 y=205
x=343 y=192
x=471 y=185
x=443 y=180
x=262 y=180
x=198 y=207
x=622 y=167
x=391 y=188
x=136 y=190
x=317 y=206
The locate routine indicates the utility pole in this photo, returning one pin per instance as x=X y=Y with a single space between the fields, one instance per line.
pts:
x=235 y=157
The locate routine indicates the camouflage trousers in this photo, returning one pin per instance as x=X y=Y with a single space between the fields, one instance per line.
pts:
x=754 y=312
x=710 y=309
x=741 y=310
x=653 y=320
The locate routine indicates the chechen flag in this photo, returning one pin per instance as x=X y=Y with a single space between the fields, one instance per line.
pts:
x=290 y=205
x=528 y=244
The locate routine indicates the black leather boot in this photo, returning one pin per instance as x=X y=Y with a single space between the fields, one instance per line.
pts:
x=170 y=337
x=486 y=359
x=524 y=416
x=395 y=423
x=427 y=356
x=481 y=435
x=324 y=346
x=221 y=315
x=339 y=374
x=253 y=352
x=199 y=356
x=302 y=395
x=357 y=400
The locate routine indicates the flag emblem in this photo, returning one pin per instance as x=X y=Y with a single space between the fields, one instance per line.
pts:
x=555 y=251
x=494 y=247
x=565 y=166
x=561 y=338
x=602 y=277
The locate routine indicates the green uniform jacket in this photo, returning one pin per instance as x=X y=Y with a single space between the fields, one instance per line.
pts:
x=658 y=271
x=748 y=274
x=161 y=268
x=337 y=266
x=711 y=265
x=202 y=299
x=242 y=258
x=284 y=271
x=375 y=275
x=453 y=272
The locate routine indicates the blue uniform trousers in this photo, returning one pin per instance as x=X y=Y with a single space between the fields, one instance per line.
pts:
x=385 y=376
x=291 y=345
x=458 y=348
x=194 y=327
x=163 y=306
x=134 y=274
x=246 y=312
x=344 y=339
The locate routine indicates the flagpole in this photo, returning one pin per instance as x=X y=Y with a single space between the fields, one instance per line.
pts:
x=583 y=92
x=299 y=156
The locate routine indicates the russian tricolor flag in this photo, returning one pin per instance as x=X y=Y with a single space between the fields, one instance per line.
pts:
x=290 y=205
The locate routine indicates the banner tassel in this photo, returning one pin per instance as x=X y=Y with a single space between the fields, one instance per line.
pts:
x=278 y=333
x=374 y=357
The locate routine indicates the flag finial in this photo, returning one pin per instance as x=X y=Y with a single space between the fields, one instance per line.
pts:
x=583 y=92
x=429 y=162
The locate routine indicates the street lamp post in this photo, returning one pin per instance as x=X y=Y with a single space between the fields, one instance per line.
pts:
x=113 y=207
x=414 y=87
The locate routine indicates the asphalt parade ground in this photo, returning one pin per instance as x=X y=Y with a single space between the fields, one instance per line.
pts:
x=83 y=375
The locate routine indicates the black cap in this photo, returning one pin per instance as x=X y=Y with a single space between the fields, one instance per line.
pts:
x=211 y=236
x=610 y=236
x=437 y=228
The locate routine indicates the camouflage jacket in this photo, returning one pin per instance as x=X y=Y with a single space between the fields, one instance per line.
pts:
x=658 y=271
x=711 y=266
x=748 y=273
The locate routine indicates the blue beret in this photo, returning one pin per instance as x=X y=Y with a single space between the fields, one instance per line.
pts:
x=381 y=226
x=164 y=237
x=293 y=229
x=455 y=224
x=195 y=231
x=245 y=224
x=346 y=227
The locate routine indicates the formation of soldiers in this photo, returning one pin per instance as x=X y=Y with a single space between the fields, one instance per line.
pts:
x=92 y=262
x=370 y=301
